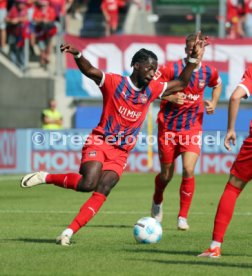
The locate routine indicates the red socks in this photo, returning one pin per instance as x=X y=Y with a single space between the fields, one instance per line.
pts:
x=186 y=194
x=67 y=181
x=87 y=211
x=159 y=190
x=225 y=211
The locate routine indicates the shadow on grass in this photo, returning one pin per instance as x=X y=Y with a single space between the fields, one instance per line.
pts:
x=156 y=251
x=200 y=262
x=28 y=240
x=109 y=226
x=173 y=252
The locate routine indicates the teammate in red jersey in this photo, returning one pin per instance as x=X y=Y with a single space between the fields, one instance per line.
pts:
x=240 y=173
x=104 y=155
x=179 y=129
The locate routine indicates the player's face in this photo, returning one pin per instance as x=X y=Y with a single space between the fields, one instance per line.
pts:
x=189 y=48
x=146 y=71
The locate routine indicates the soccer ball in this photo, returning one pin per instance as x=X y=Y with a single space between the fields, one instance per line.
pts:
x=147 y=230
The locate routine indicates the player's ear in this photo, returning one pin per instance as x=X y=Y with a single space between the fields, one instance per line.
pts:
x=136 y=66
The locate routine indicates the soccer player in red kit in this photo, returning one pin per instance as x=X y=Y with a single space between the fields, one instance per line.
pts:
x=240 y=173
x=179 y=129
x=104 y=155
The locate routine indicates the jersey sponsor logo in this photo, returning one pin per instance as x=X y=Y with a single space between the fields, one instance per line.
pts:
x=201 y=84
x=143 y=99
x=192 y=97
x=128 y=114
x=92 y=154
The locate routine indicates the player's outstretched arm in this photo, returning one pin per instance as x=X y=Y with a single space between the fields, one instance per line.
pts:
x=233 y=107
x=184 y=78
x=84 y=65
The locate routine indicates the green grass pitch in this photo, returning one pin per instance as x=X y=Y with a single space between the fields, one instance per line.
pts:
x=30 y=220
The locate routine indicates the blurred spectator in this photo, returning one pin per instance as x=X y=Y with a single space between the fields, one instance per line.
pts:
x=44 y=20
x=3 y=13
x=248 y=20
x=110 y=10
x=61 y=7
x=236 y=15
x=75 y=9
x=51 y=117
x=18 y=30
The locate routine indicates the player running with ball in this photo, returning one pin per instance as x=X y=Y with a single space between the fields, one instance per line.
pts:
x=125 y=103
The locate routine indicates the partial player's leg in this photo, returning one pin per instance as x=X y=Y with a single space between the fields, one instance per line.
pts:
x=106 y=183
x=167 y=154
x=189 y=160
x=86 y=181
x=161 y=181
x=240 y=175
x=224 y=215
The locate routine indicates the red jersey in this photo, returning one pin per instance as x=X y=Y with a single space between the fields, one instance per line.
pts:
x=246 y=84
x=48 y=13
x=3 y=4
x=110 y=6
x=124 y=108
x=189 y=116
x=248 y=4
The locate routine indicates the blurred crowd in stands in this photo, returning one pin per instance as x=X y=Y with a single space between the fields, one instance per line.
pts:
x=239 y=18
x=38 y=21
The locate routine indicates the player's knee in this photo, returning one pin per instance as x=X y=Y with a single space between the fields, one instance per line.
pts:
x=86 y=186
x=166 y=177
x=188 y=171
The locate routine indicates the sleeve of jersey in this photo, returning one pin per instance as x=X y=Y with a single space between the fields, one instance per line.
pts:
x=246 y=82
x=164 y=73
x=159 y=89
x=106 y=83
x=215 y=79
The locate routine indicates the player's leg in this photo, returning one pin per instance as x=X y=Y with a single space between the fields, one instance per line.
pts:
x=85 y=181
x=224 y=215
x=187 y=187
x=90 y=208
x=240 y=175
x=115 y=162
x=167 y=154
x=161 y=181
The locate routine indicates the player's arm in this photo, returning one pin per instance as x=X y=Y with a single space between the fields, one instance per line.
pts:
x=184 y=77
x=180 y=83
x=84 y=65
x=211 y=105
x=233 y=108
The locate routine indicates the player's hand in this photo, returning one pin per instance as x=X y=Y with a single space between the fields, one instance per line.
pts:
x=199 y=46
x=230 y=137
x=210 y=107
x=69 y=49
x=177 y=98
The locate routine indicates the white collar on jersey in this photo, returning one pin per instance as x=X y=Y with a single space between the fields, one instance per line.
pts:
x=196 y=69
x=132 y=84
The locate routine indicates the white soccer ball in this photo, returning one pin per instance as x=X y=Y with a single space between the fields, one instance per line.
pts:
x=147 y=230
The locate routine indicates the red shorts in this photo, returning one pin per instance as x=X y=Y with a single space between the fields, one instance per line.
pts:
x=171 y=144
x=242 y=167
x=112 y=158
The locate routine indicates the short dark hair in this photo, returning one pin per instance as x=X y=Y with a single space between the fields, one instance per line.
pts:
x=142 y=55
x=191 y=38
